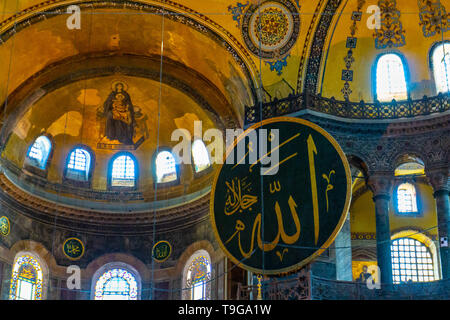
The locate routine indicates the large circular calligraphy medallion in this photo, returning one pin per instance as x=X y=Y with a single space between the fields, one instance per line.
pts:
x=281 y=196
x=271 y=29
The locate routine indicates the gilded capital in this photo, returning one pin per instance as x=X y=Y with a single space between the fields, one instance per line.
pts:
x=381 y=185
x=439 y=179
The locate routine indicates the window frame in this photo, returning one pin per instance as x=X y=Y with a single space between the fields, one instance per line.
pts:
x=204 y=171
x=159 y=185
x=43 y=272
x=116 y=265
x=77 y=183
x=405 y=71
x=187 y=291
x=110 y=168
x=30 y=167
x=404 y=235
x=431 y=64
x=419 y=212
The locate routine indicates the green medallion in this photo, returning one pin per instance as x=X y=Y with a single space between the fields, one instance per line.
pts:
x=4 y=226
x=161 y=251
x=275 y=217
x=73 y=248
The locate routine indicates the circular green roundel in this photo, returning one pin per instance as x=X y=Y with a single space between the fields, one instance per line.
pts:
x=161 y=251
x=4 y=226
x=281 y=196
x=73 y=248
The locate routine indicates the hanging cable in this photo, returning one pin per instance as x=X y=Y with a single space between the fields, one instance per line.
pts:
x=155 y=199
x=2 y=133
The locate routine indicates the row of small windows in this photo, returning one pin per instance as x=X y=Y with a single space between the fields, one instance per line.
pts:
x=123 y=166
x=113 y=281
x=391 y=82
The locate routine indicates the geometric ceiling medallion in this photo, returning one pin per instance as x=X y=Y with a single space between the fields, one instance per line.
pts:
x=271 y=28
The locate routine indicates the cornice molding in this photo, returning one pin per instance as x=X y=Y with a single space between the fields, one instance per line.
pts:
x=90 y=221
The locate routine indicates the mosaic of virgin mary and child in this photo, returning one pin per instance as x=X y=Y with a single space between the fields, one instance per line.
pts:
x=119 y=112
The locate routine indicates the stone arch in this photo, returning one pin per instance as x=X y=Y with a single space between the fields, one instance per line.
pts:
x=127 y=259
x=45 y=259
x=116 y=264
x=189 y=251
x=196 y=249
x=358 y=163
x=408 y=155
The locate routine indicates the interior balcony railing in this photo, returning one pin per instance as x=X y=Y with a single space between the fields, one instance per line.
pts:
x=346 y=109
x=309 y=287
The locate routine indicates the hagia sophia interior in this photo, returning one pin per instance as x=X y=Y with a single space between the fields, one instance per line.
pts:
x=91 y=92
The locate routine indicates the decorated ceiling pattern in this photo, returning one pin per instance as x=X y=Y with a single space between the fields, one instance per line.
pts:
x=278 y=43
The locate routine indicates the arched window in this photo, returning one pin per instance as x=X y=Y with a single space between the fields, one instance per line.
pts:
x=440 y=59
x=123 y=171
x=39 y=152
x=391 y=78
x=406 y=198
x=411 y=261
x=27 y=279
x=116 y=284
x=200 y=156
x=79 y=165
x=165 y=166
x=197 y=276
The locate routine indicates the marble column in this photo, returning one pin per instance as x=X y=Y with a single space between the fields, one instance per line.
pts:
x=381 y=186
x=439 y=180
x=343 y=245
x=343 y=242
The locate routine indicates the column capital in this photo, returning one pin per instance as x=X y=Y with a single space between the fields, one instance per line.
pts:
x=381 y=185
x=439 y=179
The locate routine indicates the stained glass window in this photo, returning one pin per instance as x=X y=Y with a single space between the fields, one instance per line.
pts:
x=391 y=80
x=39 y=152
x=411 y=261
x=79 y=165
x=123 y=172
x=198 y=276
x=116 y=284
x=441 y=67
x=26 y=280
x=200 y=156
x=406 y=198
x=166 y=170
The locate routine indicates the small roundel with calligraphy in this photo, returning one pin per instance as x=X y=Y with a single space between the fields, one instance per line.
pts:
x=4 y=226
x=281 y=196
x=161 y=251
x=73 y=248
